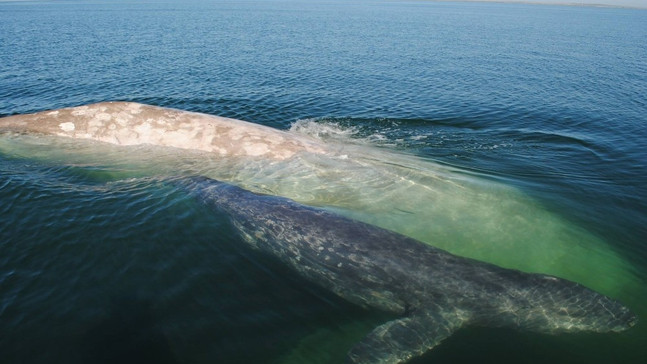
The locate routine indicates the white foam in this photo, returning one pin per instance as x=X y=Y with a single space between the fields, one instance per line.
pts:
x=323 y=130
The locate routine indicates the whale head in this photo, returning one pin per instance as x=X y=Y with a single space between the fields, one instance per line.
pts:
x=554 y=305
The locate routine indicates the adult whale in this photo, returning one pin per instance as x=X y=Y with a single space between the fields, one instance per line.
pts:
x=129 y=123
x=433 y=292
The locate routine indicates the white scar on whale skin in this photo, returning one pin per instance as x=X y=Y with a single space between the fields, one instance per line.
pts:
x=67 y=126
x=127 y=123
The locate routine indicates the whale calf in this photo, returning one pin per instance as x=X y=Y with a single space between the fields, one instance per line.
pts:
x=433 y=292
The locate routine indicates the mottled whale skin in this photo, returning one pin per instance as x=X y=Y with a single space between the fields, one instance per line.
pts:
x=433 y=292
x=129 y=123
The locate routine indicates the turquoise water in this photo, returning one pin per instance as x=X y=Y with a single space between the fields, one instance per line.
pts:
x=509 y=133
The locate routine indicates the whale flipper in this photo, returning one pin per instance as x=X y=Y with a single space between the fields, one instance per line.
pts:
x=400 y=340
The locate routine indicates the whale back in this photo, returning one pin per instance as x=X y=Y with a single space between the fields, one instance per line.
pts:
x=128 y=123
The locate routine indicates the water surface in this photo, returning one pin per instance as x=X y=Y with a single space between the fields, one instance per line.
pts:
x=508 y=133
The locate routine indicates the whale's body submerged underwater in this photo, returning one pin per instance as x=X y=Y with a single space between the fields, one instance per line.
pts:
x=432 y=291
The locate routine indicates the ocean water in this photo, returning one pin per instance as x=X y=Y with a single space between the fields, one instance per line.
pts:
x=509 y=133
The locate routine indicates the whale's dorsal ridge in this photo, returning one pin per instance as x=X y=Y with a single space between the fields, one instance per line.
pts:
x=401 y=340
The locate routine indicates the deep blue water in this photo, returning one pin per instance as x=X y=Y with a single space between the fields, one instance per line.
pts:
x=98 y=266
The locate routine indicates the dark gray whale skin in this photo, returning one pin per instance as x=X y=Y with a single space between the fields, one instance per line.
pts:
x=432 y=291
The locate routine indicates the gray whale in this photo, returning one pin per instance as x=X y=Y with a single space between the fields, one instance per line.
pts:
x=433 y=292
x=129 y=123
